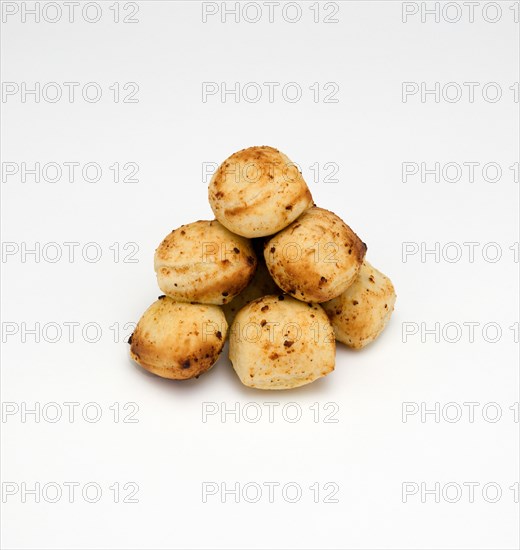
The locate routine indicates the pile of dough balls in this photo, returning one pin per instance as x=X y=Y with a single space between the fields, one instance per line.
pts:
x=283 y=278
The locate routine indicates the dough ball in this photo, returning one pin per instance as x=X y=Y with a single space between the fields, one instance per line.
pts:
x=278 y=343
x=316 y=258
x=204 y=262
x=363 y=310
x=262 y=284
x=178 y=340
x=258 y=191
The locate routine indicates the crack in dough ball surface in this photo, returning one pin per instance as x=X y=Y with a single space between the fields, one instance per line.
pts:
x=278 y=343
x=257 y=192
x=204 y=262
x=177 y=340
x=360 y=314
x=316 y=258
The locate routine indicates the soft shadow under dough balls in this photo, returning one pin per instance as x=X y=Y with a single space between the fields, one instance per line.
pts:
x=178 y=340
x=316 y=258
x=204 y=262
x=278 y=343
x=363 y=310
x=258 y=191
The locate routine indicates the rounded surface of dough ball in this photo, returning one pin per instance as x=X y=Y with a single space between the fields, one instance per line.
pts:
x=279 y=343
x=316 y=258
x=204 y=262
x=178 y=340
x=361 y=313
x=257 y=192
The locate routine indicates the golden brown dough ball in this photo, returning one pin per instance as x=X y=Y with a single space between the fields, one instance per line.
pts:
x=204 y=262
x=361 y=313
x=278 y=343
x=258 y=191
x=316 y=258
x=178 y=340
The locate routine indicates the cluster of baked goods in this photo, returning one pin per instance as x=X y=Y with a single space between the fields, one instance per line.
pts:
x=284 y=278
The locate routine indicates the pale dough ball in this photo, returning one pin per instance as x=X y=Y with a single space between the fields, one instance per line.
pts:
x=278 y=343
x=363 y=310
x=258 y=191
x=204 y=262
x=178 y=340
x=316 y=258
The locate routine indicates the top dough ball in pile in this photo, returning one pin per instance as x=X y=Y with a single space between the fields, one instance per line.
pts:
x=257 y=192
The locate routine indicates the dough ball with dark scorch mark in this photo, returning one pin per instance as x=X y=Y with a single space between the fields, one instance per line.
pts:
x=178 y=340
x=316 y=258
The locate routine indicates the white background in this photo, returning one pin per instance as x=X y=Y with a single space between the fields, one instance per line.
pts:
x=170 y=133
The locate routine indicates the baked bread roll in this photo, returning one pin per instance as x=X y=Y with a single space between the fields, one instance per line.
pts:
x=278 y=343
x=204 y=262
x=258 y=191
x=316 y=258
x=361 y=313
x=177 y=340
